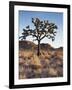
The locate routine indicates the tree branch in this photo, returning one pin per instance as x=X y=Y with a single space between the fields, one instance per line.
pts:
x=43 y=37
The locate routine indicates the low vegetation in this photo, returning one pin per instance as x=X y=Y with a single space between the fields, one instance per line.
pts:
x=48 y=64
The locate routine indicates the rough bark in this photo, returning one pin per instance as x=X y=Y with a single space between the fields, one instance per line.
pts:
x=38 y=48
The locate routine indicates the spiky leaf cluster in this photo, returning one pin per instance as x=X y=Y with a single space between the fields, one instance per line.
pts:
x=42 y=29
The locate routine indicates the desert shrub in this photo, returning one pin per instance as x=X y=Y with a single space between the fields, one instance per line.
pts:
x=21 y=61
x=60 y=71
x=25 y=54
x=44 y=72
x=52 y=72
x=47 y=64
x=22 y=76
x=35 y=61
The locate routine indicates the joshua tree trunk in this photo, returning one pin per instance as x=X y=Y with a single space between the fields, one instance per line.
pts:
x=38 y=53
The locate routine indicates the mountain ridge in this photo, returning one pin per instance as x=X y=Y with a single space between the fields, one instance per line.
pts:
x=28 y=44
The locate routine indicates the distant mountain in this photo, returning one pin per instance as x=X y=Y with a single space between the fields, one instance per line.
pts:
x=29 y=45
x=46 y=46
x=60 y=48
x=26 y=44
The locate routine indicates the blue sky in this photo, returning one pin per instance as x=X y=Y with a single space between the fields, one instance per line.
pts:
x=25 y=18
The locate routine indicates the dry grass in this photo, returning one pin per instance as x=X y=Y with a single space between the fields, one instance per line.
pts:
x=52 y=72
x=25 y=54
x=48 y=64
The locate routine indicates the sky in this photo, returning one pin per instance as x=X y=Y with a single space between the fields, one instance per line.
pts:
x=25 y=19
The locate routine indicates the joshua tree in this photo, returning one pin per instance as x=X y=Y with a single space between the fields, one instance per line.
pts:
x=41 y=30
